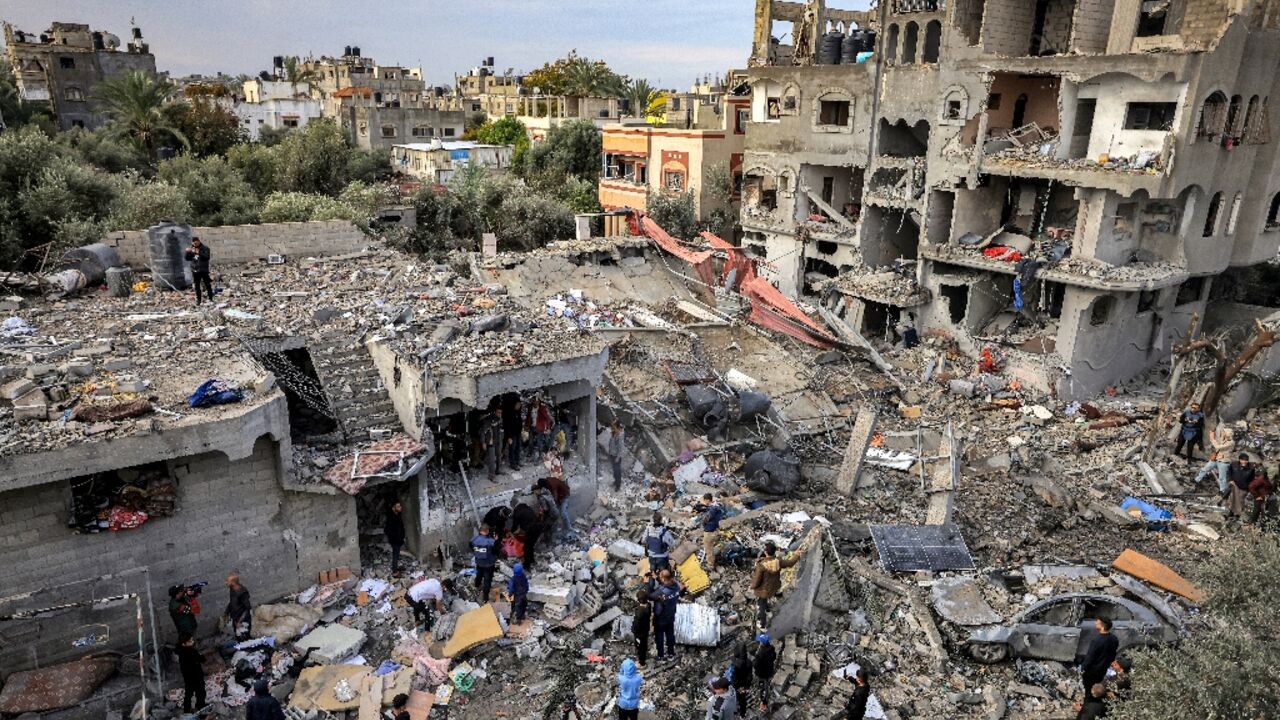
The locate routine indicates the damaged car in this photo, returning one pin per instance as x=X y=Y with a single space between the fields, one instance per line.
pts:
x=1062 y=628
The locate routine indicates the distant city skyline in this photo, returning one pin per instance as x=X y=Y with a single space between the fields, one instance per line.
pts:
x=669 y=42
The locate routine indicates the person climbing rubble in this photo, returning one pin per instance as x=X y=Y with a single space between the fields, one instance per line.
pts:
x=657 y=542
x=426 y=598
x=712 y=512
x=1190 y=432
x=766 y=578
x=642 y=623
x=615 y=449
x=665 y=593
x=518 y=593
x=1222 y=440
x=485 y=556
x=394 y=530
x=722 y=705
x=629 y=682
x=765 y=665
x=239 y=612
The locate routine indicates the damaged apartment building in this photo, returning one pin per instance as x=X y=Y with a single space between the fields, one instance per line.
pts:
x=1060 y=182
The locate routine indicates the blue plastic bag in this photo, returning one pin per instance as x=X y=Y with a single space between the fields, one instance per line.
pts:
x=214 y=392
x=1157 y=518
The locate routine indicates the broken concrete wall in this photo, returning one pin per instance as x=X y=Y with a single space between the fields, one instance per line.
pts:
x=405 y=384
x=1112 y=94
x=1006 y=27
x=1091 y=25
x=231 y=514
x=251 y=243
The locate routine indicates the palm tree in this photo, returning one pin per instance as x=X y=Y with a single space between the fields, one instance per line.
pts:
x=295 y=74
x=589 y=79
x=137 y=102
x=645 y=100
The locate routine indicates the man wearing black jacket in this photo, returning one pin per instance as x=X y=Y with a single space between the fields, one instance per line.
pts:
x=525 y=520
x=192 y=667
x=641 y=624
x=765 y=665
x=198 y=256
x=394 y=529
x=262 y=706
x=665 y=595
x=1095 y=704
x=239 y=612
x=856 y=709
x=1102 y=652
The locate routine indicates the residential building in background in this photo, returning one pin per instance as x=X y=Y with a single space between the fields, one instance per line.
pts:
x=275 y=104
x=436 y=161
x=683 y=154
x=1066 y=178
x=482 y=90
x=63 y=66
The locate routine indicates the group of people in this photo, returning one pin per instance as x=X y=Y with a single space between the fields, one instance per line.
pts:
x=516 y=434
x=184 y=610
x=1245 y=488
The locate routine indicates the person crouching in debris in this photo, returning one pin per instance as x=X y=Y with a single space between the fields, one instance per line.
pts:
x=765 y=665
x=740 y=675
x=657 y=543
x=491 y=440
x=239 y=611
x=262 y=706
x=1191 y=432
x=526 y=525
x=192 y=666
x=548 y=511
x=198 y=256
x=485 y=555
x=394 y=530
x=712 y=512
x=518 y=593
x=559 y=489
x=856 y=708
x=642 y=622
x=766 y=579
x=426 y=598
x=665 y=596
x=615 y=450
x=497 y=519
x=629 y=681
x=722 y=705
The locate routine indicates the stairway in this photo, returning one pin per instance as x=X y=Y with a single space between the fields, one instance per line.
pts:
x=356 y=394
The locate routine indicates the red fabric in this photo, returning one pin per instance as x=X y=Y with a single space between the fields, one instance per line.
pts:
x=771 y=309
x=737 y=260
x=1000 y=252
x=1260 y=488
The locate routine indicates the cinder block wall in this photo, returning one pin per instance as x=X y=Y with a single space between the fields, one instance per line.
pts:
x=1091 y=27
x=229 y=515
x=232 y=244
x=1006 y=28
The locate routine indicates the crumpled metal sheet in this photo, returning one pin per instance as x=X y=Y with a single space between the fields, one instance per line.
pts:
x=697 y=625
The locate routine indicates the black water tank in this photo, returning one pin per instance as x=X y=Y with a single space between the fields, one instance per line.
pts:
x=869 y=45
x=355 y=50
x=829 y=48
x=166 y=244
x=489 y=61
x=137 y=33
x=346 y=50
x=98 y=44
x=277 y=61
x=849 y=48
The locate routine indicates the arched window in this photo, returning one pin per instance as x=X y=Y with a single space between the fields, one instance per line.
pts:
x=1234 y=117
x=1213 y=116
x=891 y=44
x=1250 y=116
x=1234 y=216
x=1211 y=218
x=909 y=40
x=932 y=42
x=1273 y=213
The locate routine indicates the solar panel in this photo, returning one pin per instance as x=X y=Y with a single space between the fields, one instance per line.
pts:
x=906 y=548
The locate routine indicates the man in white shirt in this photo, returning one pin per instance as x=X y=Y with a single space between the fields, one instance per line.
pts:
x=427 y=598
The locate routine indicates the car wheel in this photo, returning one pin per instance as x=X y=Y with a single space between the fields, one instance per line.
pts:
x=988 y=653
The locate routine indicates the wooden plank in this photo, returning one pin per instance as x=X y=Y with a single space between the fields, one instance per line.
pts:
x=370 y=698
x=864 y=427
x=1157 y=573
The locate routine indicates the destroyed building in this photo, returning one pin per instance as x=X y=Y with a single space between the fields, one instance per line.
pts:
x=1063 y=179
x=62 y=67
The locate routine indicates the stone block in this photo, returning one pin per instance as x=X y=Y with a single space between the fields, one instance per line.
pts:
x=16 y=388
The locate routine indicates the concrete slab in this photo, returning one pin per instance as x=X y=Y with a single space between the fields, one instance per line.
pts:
x=959 y=600
x=854 y=455
x=474 y=627
x=332 y=643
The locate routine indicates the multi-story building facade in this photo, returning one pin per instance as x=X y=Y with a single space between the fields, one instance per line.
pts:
x=275 y=104
x=382 y=105
x=63 y=66
x=483 y=90
x=641 y=157
x=1062 y=179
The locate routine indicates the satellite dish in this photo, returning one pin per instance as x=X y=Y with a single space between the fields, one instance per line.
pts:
x=111 y=41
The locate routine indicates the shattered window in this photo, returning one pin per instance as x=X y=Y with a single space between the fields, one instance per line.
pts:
x=67 y=63
x=743 y=117
x=953 y=110
x=834 y=112
x=1150 y=116
x=121 y=499
x=1100 y=312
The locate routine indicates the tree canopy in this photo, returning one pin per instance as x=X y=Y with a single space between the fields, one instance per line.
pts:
x=575 y=75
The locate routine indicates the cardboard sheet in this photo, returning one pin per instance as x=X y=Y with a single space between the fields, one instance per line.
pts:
x=370 y=697
x=420 y=702
x=692 y=576
x=314 y=688
x=473 y=628
x=1156 y=573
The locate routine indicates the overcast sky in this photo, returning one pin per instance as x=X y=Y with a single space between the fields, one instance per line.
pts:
x=670 y=42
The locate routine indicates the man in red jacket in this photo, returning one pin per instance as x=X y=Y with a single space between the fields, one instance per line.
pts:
x=1260 y=489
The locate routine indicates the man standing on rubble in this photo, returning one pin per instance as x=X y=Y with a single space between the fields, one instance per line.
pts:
x=539 y=426
x=512 y=432
x=765 y=665
x=766 y=579
x=198 y=256
x=665 y=594
x=722 y=705
x=486 y=558
x=1260 y=489
x=1222 y=440
x=491 y=440
x=394 y=530
x=239 y=612
x=657 y=543
x=856 y=709
x=712 y=512
x=642 y=623
x=191 y=664
x=615 y=450
x=1102 y=652
x=1191 y=432
x=526 y=525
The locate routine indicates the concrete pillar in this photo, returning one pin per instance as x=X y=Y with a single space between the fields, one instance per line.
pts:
x=1124 y=27
x=589 y=437
x=761 y=36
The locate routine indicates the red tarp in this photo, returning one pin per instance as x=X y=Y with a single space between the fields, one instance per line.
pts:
x=771 y=309
x=737 y=260
x=701 y=261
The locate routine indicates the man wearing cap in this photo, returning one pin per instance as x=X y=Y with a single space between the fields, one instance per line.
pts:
x=765 y=665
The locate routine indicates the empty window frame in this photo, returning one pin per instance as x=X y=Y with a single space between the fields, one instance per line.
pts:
x=833 y=112
x=1150 y=116
x=1211 y=217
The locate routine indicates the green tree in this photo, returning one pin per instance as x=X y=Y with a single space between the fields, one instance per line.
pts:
x=1228 y=668
x=295 y=74
x=210 y=128
x=574 y=75
x=474 y=122
x=68 y=203
x=505 y=130
x=644 y=100
x=137 y=102
x=104 y=149
x=570 y=149
x=579 y=196
x=16 y=112
x=319 y=159
x=270 y=136
x=719 y=214
x=216 y=192
x=143 y=204
x=675 y=212
x=258 y=164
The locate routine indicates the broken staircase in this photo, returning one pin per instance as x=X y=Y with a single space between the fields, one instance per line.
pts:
x=356 y=393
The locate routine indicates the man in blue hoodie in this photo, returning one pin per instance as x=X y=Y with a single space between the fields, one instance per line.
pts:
x=518 y=593
x=485 y=553
x=629 y=681
x=665 y=595
x=712 y=513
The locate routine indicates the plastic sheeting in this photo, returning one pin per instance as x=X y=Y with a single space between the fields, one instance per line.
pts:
x=701 y=261
x=697 y=625
x=214 y=392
